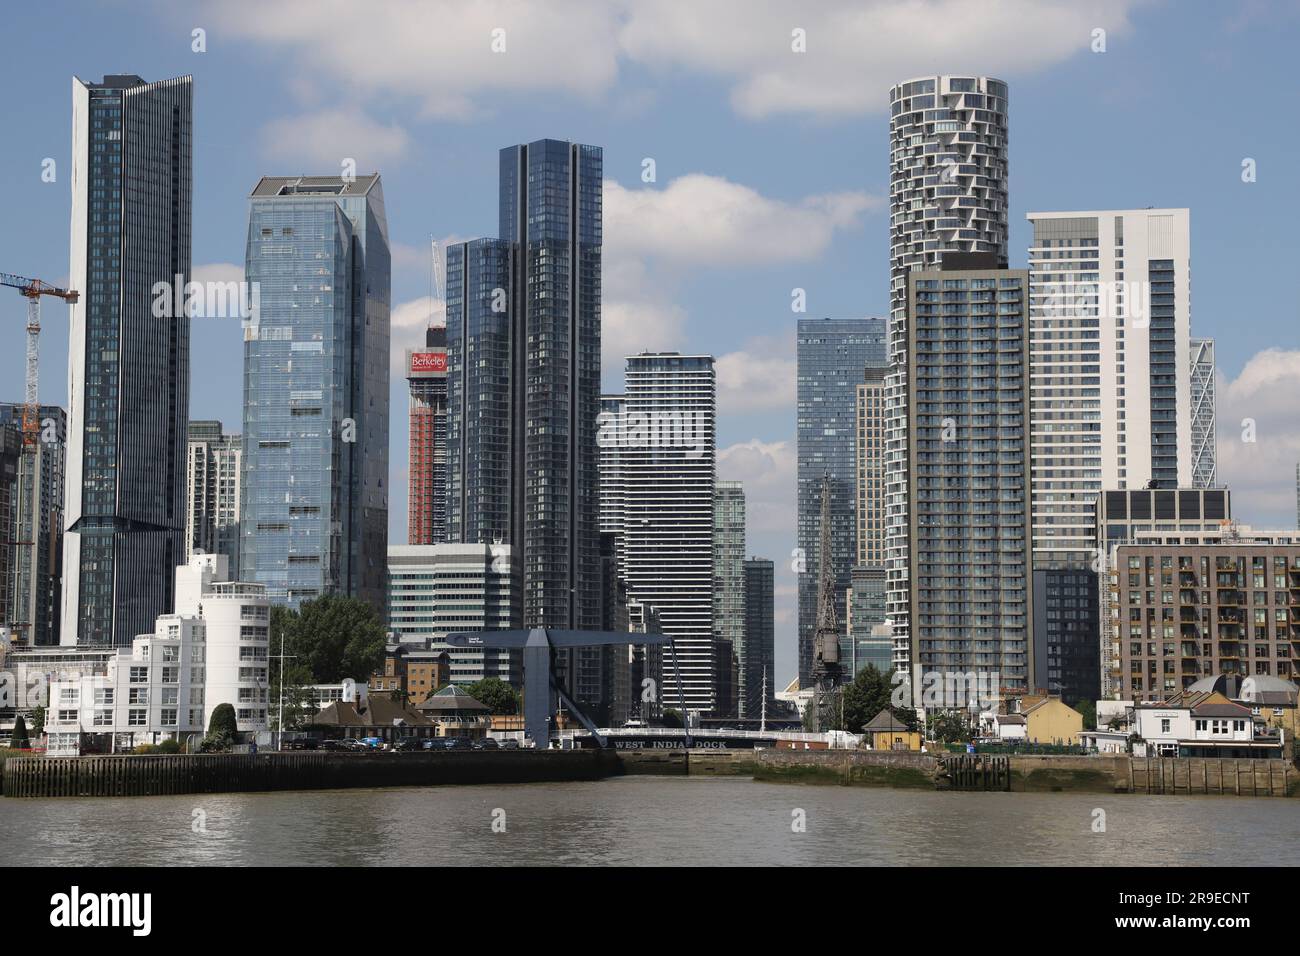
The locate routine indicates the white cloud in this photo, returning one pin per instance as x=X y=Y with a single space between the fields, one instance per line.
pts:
x=438 y=53
x=708 y=220
x=217 y=272
x=322 y=141
x=767 y=470
x=856 y=50
x=408 y=320
x=761 y=375
x=1261 y=473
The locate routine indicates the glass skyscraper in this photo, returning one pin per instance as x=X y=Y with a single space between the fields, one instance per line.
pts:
x=832 y=357
x=758 y=657
x=729 y=570
x=523 y=391
x=128 y=365
x=316 y=367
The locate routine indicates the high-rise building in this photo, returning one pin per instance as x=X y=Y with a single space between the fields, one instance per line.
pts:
x=31 y=592
x=729 y=570
x=426 y=508
x=11 y=450
x=947 y=193
x=1110 y=399
x=128 y=356
x=314 y=514
x=967 y=360
x=212 y=479
x=612 y=508
x=1205 y=470
x=523 y=343
x=668 y=474
x=865 y=600
x=438 y=589
x=758 y=656
x=832 y=356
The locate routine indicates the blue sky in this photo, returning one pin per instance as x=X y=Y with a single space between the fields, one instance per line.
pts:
x=771 y=171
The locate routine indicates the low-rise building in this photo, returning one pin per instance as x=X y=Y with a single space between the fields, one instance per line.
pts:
x=1202 y=724
x=212 y=650
x=886 y=732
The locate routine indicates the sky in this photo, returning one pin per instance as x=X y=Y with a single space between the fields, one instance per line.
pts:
x=770 y=173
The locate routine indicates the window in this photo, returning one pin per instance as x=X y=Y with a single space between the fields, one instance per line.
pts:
x=136 y=718
x=1164 y=725
x=139 y=675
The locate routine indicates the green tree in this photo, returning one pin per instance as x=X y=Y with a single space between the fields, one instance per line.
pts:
x=38 y=721
x=335 y=637
x=223 y=722
x=19 y=740
x=672 y=718
x=499 y=696
x=867 y=695
x=299 y=701
x=949 y=726
x=1089 y=710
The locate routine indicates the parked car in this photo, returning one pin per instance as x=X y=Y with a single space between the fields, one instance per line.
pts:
x=408 y=744
x=510 y=744
x=302 y=743
x=332 y=745
x=487 y=743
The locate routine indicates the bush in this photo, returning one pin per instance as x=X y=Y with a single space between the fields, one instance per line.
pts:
x=169 y=747
x=223 y=722
x=19 y=739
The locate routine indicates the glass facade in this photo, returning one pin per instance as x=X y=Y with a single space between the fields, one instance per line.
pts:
x=758 y=658
x=832 y=357
x=729 y=570
x=128 y=365
x=316 y=368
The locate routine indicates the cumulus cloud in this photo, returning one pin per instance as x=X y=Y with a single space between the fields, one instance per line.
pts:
x=760 y=376
x=709 y=220
x=1262 y=399
x=767 y=470
x=324 y=140
x=440 y=53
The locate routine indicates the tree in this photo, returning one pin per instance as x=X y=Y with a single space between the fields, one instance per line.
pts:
x=949 y=726
x=18 y=740
x=222 y=723
x=867 y=695
x=38 y=721
x=299 y=701
x=672 y=718
x=1089 y=710
x=335 y=637
x=499 y=696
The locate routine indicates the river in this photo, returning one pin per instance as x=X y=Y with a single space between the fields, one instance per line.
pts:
x=648 y=821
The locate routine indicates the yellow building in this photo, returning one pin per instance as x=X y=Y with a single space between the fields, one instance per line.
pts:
x=885 y=732
x=1048 y=720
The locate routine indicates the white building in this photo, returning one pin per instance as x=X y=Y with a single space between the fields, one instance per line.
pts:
x=668 y=457
x=211 y=651
x=1110 y=380
x=438 y=589
x=1201 y=724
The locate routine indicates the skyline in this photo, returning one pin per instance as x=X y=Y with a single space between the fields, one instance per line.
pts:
x=690 y=284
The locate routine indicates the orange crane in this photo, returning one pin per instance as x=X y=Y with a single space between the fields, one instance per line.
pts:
x=32 y=290
x=28 y=521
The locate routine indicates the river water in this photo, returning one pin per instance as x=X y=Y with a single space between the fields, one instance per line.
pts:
x=649 y=821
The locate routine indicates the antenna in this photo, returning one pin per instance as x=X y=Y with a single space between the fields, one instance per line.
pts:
x=435 y=277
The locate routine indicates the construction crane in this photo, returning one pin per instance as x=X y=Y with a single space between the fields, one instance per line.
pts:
x=33 y=289
x=27 y=524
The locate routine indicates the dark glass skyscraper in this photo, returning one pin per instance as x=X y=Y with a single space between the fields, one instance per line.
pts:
x=33 y=586
x=128 y=368
x=759 y=653
x=523 y=342
x=316 y=366
x=832 y=357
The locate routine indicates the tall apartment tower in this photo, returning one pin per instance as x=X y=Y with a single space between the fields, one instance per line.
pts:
x=968 y=472
x=314 y=515
x=1205 y=468
x=1110 y=400
x=212 y=480
x=831 y=355
x=729 y=571
x=758 y=658
x=523 y=390
x=668 y=474
x=32 y=590
x=426 y=373
x=612 y=494
x=128 y=370
x=947 y=193
x=865 y=601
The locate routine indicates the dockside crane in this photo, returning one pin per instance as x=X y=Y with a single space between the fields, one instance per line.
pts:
x=28 y=522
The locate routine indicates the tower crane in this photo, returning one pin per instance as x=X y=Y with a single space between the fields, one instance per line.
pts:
x=32 y=290
x=28 y=519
